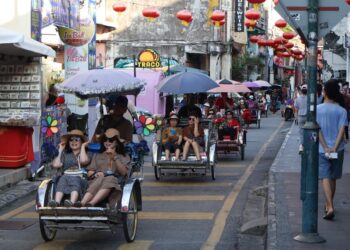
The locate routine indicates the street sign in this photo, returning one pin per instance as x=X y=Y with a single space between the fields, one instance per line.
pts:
x=295 y=13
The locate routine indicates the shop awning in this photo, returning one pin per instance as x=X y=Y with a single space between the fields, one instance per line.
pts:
x=14 y=43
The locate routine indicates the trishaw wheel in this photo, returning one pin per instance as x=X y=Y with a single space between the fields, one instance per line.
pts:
x=258 y=123
x=242 y=152
x=212 y=170
x=130 y=219
x=46 y=233
x=156 y=172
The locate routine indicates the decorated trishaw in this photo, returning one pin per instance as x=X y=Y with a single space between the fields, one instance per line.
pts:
x=104 y=216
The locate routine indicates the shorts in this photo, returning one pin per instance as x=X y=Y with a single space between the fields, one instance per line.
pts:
x=331 y=168
x=172 y=146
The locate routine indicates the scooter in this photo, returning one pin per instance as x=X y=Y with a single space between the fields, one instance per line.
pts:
x=288 y=112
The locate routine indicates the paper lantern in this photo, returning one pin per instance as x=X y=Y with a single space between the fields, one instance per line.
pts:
x=289 y=35
x=262 y=42
x=278 y=40
x=289 y=45
x=119 y=7
x=250 y=24
x=270 y=43
x=286 y=54
x=280 y=48
x=299 y=58
x=256 y=3
x=253 y=14
x=217 y=16
x=254 y=39
x=297 y=52
x=150 y=13
x=281 y=23
x=185 y=17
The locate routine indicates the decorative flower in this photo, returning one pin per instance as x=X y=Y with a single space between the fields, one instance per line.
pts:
x=144 y=125
x=158 y=121
x=218 y=122
x=49 y=126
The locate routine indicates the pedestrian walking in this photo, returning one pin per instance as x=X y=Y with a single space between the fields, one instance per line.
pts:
x=332 y=119
x=300 y=115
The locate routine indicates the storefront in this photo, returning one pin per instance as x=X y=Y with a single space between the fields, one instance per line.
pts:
x=20 y=97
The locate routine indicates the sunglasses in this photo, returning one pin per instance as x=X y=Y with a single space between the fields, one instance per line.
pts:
x=75 y=139
x=112 y=139
x=191 y=119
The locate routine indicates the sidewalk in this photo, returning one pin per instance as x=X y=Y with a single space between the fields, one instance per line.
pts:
x=285 y=206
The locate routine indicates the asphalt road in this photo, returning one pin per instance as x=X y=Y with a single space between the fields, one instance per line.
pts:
x=178 y=212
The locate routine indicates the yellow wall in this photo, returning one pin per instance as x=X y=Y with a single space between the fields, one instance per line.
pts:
x=15 y=15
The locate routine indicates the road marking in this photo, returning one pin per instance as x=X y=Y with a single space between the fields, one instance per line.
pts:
x=176 y=216
x=16 y=211
x=137 y=244
x=184 y=198
x=217 y=174
x=186 y=184
x=146 y=215
x=54 y=245
x=220 y=219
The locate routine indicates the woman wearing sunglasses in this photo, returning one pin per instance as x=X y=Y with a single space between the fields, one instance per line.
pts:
x=104 y=170
x=71 y=156
x=193 y=136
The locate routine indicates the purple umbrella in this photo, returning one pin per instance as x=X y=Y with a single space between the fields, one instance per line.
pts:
x=251 y=85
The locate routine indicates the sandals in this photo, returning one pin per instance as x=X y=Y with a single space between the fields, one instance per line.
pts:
x=53 y=203
x=68 y=203
x=77 y=204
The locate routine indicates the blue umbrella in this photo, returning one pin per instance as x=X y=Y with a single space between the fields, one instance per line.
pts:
x=186 y=83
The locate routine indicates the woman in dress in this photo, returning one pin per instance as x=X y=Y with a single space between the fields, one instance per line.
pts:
x=193 y=136
x=104 y=170
x=71 y=155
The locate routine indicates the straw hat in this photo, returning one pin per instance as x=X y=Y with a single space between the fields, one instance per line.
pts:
x=174 y=116
x=74 y=132
x=112 y=132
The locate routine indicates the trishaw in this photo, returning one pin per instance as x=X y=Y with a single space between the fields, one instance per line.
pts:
x=254 y=117
x=191 y=167
x=105 y=216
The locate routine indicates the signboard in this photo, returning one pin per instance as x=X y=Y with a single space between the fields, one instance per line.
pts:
x=35 y=32
x=62 y=13
x=239 y=16
x=295 y=13
x=148 y=58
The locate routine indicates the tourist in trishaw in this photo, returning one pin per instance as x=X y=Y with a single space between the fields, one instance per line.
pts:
x=193 y=136
x=172 y=138
x=230 y=127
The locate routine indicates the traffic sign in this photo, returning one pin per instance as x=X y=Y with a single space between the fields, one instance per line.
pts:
x=295 y=13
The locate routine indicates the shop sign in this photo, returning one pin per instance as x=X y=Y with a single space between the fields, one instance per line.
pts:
x=148 y=58
x=239 y=16
x=80 y=37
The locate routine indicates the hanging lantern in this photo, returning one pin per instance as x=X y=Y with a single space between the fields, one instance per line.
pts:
x=250 y=24
x=254 y=39
x=256 y=3
x=119 y=7
x=185 y=17
x=253 y=14
x=297 y=52
x=151 y=14
x=278 y=40
x=276 y=2
x=281 y=23
x=286 y=54
x=217 y=16
x=289 y=35
x=279 y=54
x=284 y=41
x=299 y=58
x=280 y=48
x=289 y=45
x=262 y=42
x=347 y=1
x=270 y=43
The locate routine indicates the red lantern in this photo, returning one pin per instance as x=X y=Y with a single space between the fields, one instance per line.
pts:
x=185 y=16
x=119 y=7
x=276 y=2
x=254 y=39
x=297 y=52
x=150 y=13
x=278 y=40
x=280 y=48
x=286 y=54
x=271 y=43
x=262 y=42
x=217 y=16
x=288 y=35
x=289 y=45
x=347 y=1
x=253 y=14
x=279 y=54
x=250 y=24
x=256 y=3
x=299 y=58
x=281 y=23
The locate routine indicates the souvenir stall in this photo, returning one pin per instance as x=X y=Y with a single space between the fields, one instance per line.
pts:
x=20 y=98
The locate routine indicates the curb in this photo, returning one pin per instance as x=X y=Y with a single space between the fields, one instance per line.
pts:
x=271 y=239
x=16 y=192
x=13 y=176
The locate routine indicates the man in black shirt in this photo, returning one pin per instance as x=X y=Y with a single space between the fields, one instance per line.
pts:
x=190 y=108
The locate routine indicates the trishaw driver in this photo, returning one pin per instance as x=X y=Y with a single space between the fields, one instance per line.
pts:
x=117 y=106
x=223 y=102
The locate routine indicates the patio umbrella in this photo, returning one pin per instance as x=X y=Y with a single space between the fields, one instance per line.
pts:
x=186 y=83
x=262 y=83
x=251 y=85
x=229 y=86
x=101 y=81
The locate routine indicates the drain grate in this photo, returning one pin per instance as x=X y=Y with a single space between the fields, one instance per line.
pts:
x=15 y=225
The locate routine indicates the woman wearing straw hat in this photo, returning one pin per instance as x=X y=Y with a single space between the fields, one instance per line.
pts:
x=105 y=168
x=71 y=156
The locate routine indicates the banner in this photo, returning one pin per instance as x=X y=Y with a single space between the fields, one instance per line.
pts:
x=62 y=13
x=35 y=32
x=239 y=16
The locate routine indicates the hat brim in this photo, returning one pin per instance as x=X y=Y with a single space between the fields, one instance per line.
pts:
x=66 y=137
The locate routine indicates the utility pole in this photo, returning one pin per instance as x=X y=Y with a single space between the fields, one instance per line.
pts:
x=309 y=176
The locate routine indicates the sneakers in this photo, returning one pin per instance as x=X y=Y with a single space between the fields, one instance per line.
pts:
x=301 y=149
x=68 y=203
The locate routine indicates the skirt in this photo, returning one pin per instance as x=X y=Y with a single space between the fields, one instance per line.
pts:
x=67 y=184
x=108 y=182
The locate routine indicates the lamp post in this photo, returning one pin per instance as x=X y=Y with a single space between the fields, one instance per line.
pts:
x=309 y=176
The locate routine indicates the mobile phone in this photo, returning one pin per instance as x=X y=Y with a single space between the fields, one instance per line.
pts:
x=333 y=155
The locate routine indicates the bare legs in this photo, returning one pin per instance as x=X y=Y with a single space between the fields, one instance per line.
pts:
x=195 y=147
x=73 y=196
x=93 y=200
x=329 y=187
